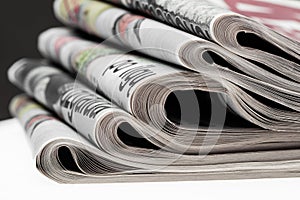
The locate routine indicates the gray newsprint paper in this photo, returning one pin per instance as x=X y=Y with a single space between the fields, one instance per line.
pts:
x=167 y=43
x=269 y=84
x=136 y=78
x=270 y=52
x=237 y=33
x=65 y=156
x=93 y=115
x=201 y=93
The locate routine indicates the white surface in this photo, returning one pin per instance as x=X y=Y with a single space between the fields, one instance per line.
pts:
x=20 y=179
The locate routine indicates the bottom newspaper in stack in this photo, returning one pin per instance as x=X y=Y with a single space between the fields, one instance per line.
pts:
x=106 y=144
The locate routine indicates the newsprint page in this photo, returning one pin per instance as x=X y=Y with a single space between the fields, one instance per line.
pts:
x=131 y=92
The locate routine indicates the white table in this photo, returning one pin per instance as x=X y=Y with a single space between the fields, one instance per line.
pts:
x=20 y=180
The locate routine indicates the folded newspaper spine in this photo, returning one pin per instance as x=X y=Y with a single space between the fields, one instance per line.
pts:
x=186 y=93
x=66 y=157
x=120 y=26
x=170 y=44
x=237 y=33
x=89 y=113
x=102 y=122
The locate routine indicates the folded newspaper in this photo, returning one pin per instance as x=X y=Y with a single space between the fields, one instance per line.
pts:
x=65 y=156
x=271 y=78
x=247 y=38
x=218 y=99
x=237 y=33
x=82 y=108
x=281 y=16
x=138 y=78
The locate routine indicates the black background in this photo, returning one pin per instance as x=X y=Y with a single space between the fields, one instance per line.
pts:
x=20 y=22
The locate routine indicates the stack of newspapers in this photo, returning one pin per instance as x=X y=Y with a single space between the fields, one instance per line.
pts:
x=160 y=90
